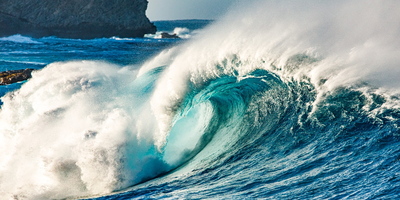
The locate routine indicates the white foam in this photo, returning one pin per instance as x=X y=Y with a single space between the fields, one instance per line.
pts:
x=83 y=127
x=181 y=32
x=23 y=62
x=353 y=41
x=19 y=39
x=75 y=128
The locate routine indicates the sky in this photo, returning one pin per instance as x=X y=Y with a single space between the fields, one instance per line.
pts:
x=187 y=9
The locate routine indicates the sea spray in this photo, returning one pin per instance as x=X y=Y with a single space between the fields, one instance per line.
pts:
x=338 y=60
x=72 y=122
x=276 y=100
x=340 y=51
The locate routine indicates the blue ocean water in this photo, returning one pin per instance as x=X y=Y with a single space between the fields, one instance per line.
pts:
x=293 y=103
x=20 y=52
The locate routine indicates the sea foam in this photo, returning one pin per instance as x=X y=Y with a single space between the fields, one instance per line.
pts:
x=19 y=39
x=86 y=127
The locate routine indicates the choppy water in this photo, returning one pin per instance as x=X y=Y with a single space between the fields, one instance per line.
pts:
x=282 y=100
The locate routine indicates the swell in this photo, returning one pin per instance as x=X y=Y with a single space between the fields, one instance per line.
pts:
x=274 y=138
x=297 y=105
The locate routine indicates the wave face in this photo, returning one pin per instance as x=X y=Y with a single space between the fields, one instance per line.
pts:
x=287 y=100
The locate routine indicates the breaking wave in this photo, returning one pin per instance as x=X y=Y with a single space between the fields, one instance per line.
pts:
x=297 y=101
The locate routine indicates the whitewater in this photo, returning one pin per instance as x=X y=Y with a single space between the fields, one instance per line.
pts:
x=276 y=100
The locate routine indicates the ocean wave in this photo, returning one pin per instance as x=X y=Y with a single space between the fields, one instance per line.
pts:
x=20 y=39
x=23 y=62
x=302 y=104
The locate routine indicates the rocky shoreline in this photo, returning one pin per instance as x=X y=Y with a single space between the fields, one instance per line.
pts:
x=14 y=76
x=82 y=19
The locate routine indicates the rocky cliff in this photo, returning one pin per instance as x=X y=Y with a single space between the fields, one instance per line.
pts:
x=75 y=18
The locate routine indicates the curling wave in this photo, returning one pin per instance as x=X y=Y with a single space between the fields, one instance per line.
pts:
x=301 y=104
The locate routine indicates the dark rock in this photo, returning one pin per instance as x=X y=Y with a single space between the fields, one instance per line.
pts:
x=83 y=19
x=14 y=76
x=169 y=36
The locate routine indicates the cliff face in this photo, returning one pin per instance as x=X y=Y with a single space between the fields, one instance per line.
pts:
x=75 y=18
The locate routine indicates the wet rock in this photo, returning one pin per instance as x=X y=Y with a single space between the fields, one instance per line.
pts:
x=14 y=76
x=169 y=36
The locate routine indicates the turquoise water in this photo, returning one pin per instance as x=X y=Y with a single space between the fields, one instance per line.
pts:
x=292 y=103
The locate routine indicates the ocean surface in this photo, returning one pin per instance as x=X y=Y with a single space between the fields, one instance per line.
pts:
x=276 y=100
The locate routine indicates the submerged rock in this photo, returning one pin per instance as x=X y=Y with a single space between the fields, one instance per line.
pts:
x=169 y=36
x=83 y=19
x=14 y=76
